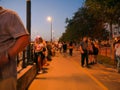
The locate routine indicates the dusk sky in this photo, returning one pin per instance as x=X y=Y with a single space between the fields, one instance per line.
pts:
x=59 y=10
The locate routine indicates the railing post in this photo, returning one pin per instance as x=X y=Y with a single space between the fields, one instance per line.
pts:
x=24 y=59
x=28 y=15
x=17 y=59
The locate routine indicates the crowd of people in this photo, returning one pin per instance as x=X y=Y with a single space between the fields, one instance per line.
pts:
x=89 y=50
x=44 y=51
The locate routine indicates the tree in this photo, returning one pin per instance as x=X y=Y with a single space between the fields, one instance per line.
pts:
x=83 y=24
x=107 y=10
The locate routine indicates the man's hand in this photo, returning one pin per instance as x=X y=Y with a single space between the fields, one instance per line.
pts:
x=81 y=50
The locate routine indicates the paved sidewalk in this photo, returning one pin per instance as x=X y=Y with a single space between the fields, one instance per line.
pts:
x=65 y=74
x=107 y=75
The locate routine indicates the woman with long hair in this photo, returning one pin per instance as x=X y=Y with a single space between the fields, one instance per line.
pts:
x=38 y=47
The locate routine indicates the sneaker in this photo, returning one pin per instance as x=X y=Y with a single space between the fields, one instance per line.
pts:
x=82 y=66
x=40 y=72
x=47 y=64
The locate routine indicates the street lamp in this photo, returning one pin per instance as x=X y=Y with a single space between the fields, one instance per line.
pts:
x=50 y=20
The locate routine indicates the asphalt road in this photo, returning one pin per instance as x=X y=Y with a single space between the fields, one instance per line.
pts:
x=65 y=73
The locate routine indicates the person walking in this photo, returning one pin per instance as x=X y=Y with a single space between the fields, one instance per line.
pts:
x=84 y=52
x=64 y=48
x=13 y=39
x=71 y=48
x=60 y=46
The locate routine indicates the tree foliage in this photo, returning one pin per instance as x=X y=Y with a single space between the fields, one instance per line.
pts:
x=89 y=20
x=83 y=24
x=107 y=10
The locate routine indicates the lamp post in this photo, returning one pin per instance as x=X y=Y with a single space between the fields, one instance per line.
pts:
x=50 y=20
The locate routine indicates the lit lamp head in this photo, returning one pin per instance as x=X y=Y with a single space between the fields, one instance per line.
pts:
x=49 y=18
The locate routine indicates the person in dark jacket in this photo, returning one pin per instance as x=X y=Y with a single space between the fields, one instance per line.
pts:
x=71 y=48
x=84 y=51
x=64 y=47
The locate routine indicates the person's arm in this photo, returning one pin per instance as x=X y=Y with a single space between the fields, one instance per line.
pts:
x=20 y=45
x=81 y=50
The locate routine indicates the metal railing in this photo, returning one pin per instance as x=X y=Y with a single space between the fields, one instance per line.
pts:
x=24 y=59
x=106 y=51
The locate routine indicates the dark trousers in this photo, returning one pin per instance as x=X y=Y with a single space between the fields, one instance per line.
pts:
x=70 y=52
x=83 y=58
x=42 y=56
